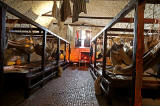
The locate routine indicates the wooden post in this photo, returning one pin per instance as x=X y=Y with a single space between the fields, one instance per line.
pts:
x=28 y=58
x=104 y=51
x=58 y=50
x=2 y=45
x=95 y=52
x=28 y=55
x=69 y=52
x=65 y=51
x=139 y=49
x=90 y=56
x=43 y=49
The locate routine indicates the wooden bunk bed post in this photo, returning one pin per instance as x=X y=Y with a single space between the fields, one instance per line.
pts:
x=95 y=52
x=43 y=54
x=65 y=45
x=2 y=45
x=28 y=58
x=58 y=50
x=104 y=51
x=69 y=52
x=90 y=56
x=43 y=49
x=139 y=49
x=29 y=55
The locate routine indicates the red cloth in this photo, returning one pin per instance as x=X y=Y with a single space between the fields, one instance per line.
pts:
x=77 y=35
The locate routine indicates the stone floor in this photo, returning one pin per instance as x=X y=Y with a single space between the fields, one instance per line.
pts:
x=74 y=88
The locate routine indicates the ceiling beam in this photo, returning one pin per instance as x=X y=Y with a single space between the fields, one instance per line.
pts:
x=123 y=20
x=130 y=6
x=112 y=29
x=41 y=0
x=147 y=1
x=153 y=1
x=24 y=29
x=60 y=0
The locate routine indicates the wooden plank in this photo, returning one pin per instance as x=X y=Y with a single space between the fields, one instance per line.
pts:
x=104 y=52
x=2 y=45
x=95 y=52
x=65 y=45
x=139 y=30
x=122 y=13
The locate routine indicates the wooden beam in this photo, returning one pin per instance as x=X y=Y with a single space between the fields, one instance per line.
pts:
x=41 y=0
x=26 y=19
x=69 y=52
x=29 y=55
x=58 y=51
x=65 y=45
x=146 y=20
x=153 y=1
x=27 y=33
x=139 y=47
x=130 y=6
x=2 y=45
x=43 y=50
x=81 y=25
x=129 y=30
x=60 y=0
x=123 y=20
x=17 y=31
x=104 y=52
x=95 y=52
x=15 y=21
x=24 y=29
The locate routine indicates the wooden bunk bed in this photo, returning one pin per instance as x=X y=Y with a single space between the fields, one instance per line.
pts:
x=136 y=82
x=33 y=74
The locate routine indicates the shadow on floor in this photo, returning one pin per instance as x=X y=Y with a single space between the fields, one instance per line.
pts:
x=116 y=101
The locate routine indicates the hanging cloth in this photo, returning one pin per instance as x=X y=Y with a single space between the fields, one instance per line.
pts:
x=78 y=7
x=65 y=10
x=77 y=35
x=56 y=14
x=54 y=9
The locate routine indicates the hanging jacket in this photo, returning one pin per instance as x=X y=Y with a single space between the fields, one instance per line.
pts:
x=78 y=7
x=65 y=10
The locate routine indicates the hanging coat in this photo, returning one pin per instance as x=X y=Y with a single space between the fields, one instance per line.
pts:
x=54 y=9
x=78 y=7
x=65 y=10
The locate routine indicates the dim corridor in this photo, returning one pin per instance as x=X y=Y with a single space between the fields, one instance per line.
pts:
x=74 y=88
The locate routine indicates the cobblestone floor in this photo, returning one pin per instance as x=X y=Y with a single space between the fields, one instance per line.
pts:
x=74 y=88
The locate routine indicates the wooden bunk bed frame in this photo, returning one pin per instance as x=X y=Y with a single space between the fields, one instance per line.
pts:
x=36 y=76
x=137 y=81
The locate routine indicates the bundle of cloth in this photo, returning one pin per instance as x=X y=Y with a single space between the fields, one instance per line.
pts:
x=23 y=46
x=122 y=63
x=62 y=11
